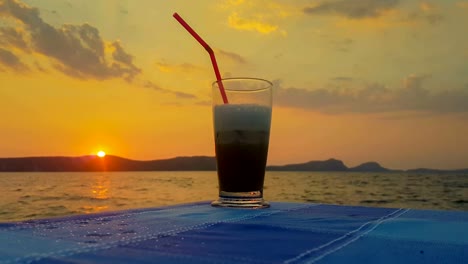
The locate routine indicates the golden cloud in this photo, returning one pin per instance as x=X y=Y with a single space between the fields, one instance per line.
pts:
x=462 y=4
x=237 y=22
x=75 y=50
x=183 y=67
x=427 y=7
x=11 y=60
x=231 y=3
x=261 y=16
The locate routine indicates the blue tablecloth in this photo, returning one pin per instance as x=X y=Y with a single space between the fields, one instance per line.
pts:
x=284 y=233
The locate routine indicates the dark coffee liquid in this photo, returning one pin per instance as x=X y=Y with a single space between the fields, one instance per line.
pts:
x=241 y=159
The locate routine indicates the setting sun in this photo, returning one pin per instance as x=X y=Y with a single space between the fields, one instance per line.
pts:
x=101 y=153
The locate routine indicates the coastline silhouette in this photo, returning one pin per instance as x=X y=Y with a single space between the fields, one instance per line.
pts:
x=192 y=163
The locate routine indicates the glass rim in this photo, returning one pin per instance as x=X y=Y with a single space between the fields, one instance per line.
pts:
x=267 y=86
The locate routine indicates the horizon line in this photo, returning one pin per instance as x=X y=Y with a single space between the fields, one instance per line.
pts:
x=206 y=156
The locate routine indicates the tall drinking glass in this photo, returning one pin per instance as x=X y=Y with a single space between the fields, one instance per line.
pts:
x=242 y=133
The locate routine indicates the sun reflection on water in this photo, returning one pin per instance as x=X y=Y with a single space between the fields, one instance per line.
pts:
x=99 y=193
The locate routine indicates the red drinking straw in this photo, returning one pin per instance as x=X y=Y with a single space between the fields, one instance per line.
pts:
x=210 y=51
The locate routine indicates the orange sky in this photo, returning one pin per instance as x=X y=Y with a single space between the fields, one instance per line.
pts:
x=380 y=80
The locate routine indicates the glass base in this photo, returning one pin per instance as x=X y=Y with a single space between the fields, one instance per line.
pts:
x=253 y=200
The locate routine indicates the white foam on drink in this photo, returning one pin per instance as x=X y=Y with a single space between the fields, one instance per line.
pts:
x=242 y=117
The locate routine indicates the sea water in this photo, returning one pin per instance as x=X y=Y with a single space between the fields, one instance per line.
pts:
x=32 y=195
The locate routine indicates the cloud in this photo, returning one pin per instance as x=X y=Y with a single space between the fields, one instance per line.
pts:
x=10 y=60
x=203 y=103
x=462 y=4
x=427 y=12
x=11 y=37
x=260 y=16
x=264 y=8
x=231 y=56
x=375 y=98
x=427 y=7
x=178 y=94
x=356 y=9
x=250 y=24
x=183 y=67
x=372 y=15
x=231 y=3
x=76 y=50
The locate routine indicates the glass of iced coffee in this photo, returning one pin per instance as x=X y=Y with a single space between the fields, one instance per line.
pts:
x=242 y=133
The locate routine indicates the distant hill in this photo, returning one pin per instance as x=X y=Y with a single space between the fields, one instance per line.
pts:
x=195 y=163
x=107 y=163
x=326 y=165
x=370 y=167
